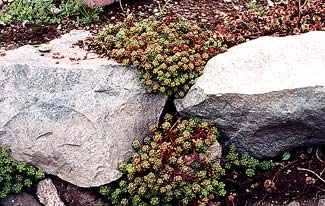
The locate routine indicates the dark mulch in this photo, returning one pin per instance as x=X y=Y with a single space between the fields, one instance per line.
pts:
x=205 y=12
x=290 y=182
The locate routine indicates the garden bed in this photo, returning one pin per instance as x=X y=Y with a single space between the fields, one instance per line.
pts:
x=292 y=178
x=206 y=13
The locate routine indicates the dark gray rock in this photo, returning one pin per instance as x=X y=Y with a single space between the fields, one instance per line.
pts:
x=21 y=199
x=75 y=119
x=266 y=96
x=72 y=195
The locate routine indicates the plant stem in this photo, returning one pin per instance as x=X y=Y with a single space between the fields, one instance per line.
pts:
x=304 y=169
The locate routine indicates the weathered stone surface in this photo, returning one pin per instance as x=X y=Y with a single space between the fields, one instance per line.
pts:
x=98 y=3
x=216 y=152
x=72 y=195
x=48 y=194
x=266 y=96
x=321 y=202
x=75 y=119
x=21 y=199
x=294 y=203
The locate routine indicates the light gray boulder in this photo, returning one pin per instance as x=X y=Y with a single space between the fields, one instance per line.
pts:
x=266 y=96
x=72 y=116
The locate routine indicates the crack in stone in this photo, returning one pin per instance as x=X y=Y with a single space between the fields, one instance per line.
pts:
x=44 y=135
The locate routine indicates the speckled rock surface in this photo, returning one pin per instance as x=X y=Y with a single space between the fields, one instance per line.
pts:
x=98 y=3
x=321 y=202
x=72 y=116
x=266 y=96
x=48 y=194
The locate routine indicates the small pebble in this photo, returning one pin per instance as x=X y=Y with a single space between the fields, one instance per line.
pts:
x=91 y=56
x=57 y=55
x=74 y=58
x=303 y=156
x=294 y=203
x=321 y=202
x=270 y=3
x=55 y=10
x=24 y=23
x=44 y=48
x=2 y=53
x=113 y=17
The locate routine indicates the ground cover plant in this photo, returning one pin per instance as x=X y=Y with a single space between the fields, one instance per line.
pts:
x=297 y=178
x=48 y=11
x=14 y=176
x=168 y=52
x=173 y=166
x=234 y=161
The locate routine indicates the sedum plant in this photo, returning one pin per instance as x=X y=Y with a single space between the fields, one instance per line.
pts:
x=168 y=52
x=14 y=176
x=48 y=11
x=171 y=167
x=250 y=164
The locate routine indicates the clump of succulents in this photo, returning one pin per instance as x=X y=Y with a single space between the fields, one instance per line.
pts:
x=168 y=52
x=171 y=167
x=284 y=18
x=14 y=176
x=48 y=11
x=250 y=164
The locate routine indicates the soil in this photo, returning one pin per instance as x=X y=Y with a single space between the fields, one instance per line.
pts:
x=205 y=12
x=289 y=181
